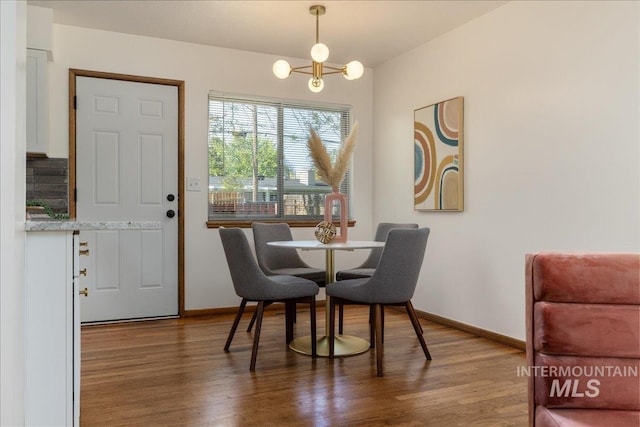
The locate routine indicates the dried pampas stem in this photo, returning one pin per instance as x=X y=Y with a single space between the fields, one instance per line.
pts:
x=320 y=157
x=332 y=175
x=344 y=157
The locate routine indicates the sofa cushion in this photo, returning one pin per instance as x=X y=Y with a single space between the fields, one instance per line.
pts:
x=586 y=278
x=599 y=330
x=586 y=382
x=585 y=418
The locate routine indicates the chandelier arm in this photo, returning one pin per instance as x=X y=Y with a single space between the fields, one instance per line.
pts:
x=302 y=72
x=297 y=69
x=334 y=68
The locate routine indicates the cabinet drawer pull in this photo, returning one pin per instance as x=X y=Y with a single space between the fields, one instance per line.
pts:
x=84 y=243
x=84 y=252
x=84 y=292
x=83 y=272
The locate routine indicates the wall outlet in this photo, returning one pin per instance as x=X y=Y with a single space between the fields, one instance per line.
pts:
x=193 y=183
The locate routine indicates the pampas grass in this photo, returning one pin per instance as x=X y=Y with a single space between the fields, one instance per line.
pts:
x=332 y=174
x=320 y=157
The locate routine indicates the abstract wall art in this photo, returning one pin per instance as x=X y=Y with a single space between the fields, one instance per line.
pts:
x=438 y=142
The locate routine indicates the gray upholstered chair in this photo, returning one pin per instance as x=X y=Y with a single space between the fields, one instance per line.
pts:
x=274 y=260
x=367 y=268
x=392 y=284
x=251 y=284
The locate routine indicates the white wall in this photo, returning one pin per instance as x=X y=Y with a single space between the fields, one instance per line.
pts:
x=205 y=68
x=13 y=35
x=552 y=149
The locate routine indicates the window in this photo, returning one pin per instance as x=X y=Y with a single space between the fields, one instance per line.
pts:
x=259 y=163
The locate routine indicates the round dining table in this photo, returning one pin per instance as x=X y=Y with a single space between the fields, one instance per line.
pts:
x=345 y=345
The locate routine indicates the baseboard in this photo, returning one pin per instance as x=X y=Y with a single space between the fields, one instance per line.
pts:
x=474 y=330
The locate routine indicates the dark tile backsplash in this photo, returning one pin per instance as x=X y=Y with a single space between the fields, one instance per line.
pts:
x=48 y=181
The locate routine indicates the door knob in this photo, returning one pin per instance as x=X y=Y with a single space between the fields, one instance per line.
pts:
x=171 y=197
x=171 y=213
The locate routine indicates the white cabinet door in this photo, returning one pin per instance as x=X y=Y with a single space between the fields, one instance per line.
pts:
x=76 y=328
x=49 y=330
x=37 y=102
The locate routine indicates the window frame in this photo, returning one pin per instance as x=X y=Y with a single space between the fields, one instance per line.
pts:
x=281 y=104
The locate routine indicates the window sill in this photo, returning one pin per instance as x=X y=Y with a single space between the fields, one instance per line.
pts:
x=246 y=223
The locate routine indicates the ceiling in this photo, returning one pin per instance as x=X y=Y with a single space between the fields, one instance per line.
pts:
x=370 y=31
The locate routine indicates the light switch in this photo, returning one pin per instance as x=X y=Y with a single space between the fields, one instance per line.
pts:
x=193 y=183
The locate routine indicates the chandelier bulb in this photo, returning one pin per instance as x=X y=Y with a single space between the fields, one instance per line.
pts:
x=316 y=84
x=320 y=52
x=353 y=70
x=281 y=69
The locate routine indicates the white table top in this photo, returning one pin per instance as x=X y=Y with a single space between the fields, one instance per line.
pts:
x=314 y=244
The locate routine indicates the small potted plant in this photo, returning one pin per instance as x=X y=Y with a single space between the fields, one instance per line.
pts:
x=38 y=208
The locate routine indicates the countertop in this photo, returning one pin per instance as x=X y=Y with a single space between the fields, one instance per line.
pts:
x=69 y=225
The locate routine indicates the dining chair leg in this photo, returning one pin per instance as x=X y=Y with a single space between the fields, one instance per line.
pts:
x=314 y=341
x=419 y=324
x=382 y=322
x=253 y=318
x=340 y=318
x=289 y=310
x=256 y=336
x=379 y=342
x=416 y=327
x=332 y=327
x=372 y=327
x=235 y=324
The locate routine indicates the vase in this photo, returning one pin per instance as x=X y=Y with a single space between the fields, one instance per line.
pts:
x=341 y=198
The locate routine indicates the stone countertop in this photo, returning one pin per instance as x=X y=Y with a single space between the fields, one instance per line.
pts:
x=68 y=225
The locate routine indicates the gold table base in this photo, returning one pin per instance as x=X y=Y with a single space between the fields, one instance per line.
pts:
x=345 y=345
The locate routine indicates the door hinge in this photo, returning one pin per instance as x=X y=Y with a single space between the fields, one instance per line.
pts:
x=75 y=102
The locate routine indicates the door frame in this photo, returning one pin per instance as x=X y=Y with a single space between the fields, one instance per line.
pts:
x=73 y=73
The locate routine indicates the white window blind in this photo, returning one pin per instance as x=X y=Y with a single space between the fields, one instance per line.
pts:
x=259 y=163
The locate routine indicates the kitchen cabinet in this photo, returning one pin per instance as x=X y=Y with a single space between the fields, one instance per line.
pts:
x=52 y=329
x=37 y=102
x=52 y=316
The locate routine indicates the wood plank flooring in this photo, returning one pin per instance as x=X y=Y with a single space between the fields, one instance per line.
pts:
x=174 y=372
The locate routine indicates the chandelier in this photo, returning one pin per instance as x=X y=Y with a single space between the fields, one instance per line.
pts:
x=319 y=54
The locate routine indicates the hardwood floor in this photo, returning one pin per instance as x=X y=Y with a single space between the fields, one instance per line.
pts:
x=175 y=373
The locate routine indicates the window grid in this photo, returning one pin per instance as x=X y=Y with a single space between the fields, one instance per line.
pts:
x=259 y=163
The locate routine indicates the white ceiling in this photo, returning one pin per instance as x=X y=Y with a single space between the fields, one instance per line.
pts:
x=370 y=31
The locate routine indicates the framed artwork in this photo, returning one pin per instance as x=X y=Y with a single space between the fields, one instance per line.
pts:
x=438 y=166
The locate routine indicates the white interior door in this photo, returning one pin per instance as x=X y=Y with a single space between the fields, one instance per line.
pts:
x=127 y=170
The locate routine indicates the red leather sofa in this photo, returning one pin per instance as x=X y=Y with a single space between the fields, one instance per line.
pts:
x=583 y=339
